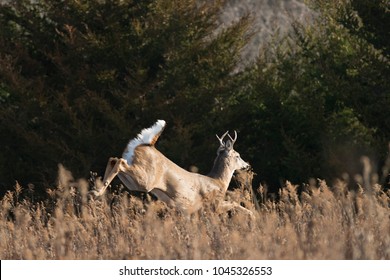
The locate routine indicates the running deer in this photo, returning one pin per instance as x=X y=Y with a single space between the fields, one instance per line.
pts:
x=143 y=168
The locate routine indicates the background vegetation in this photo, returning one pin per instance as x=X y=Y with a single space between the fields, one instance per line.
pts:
x=318 y=224
x=80 y=78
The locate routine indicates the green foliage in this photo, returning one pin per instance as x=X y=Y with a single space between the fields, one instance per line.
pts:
x=366 y=19
x=79 y=78
x=319 y=100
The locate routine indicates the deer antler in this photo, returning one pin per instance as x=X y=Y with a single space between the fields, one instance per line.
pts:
x=235 y=138
x=221 y=138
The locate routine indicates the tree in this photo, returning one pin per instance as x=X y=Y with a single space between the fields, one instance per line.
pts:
x=79 y=78
x=318 y=100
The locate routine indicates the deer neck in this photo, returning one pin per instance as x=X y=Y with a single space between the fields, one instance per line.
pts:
x=222 y=173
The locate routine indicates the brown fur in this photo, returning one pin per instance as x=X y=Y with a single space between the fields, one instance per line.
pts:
x=151 y=171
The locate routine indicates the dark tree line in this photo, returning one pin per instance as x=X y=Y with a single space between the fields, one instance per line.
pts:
x=78 y=79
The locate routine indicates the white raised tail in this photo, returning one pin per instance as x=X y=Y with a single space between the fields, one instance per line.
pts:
x=143 y=168
x=147 y=136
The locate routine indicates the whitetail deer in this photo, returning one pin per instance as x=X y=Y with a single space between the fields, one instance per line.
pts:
x=143 y=168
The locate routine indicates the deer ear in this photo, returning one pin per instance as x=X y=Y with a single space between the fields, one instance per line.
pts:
x=220 y=150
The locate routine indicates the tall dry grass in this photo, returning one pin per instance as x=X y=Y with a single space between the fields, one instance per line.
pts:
x=320 y=223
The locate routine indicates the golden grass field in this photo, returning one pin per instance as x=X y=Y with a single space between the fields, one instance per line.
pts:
x=322 y=222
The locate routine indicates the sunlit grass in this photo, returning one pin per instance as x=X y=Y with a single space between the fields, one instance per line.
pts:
x=321 y=222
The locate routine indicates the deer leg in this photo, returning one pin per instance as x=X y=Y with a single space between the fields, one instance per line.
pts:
x=129 y=182
x=123 y=170
x=110 y=165
x=114 y=166
x=112 y=170
x=227 y=206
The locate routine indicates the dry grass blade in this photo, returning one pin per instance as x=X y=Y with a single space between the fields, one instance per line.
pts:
x=321 y=223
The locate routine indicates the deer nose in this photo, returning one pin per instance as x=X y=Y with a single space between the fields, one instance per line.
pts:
x=247 y=166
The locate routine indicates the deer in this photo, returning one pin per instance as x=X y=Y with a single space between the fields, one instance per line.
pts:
x=143 y=168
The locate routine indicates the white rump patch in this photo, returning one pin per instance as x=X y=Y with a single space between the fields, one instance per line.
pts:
x=146 y=136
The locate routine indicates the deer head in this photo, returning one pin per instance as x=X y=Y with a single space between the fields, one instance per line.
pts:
x=228 y=155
